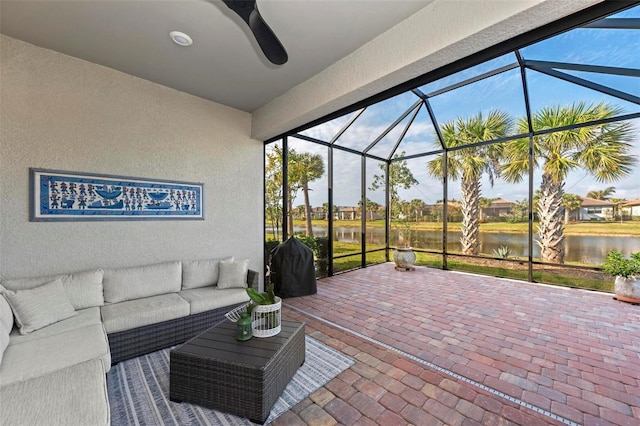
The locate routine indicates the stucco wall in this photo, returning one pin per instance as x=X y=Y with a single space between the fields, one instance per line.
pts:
x=58 y=112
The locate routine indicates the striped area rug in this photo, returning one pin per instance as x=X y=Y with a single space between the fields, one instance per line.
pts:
x=139 y=390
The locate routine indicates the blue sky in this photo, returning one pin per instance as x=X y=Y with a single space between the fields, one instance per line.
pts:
x=618 y=48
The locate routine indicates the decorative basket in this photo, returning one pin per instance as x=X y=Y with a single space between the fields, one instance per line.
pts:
x=266 y=319
x=234 y=315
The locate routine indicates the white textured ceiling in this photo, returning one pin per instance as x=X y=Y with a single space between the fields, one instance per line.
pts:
x=224 y=64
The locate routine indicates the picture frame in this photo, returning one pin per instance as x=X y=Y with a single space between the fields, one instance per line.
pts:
x=57 y=195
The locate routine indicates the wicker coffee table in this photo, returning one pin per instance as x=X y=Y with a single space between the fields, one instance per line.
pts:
x=244 y=378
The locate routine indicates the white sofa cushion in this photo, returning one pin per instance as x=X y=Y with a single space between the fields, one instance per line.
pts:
x=84 y=289
x=233 y=274
x=38 y=307
x=6 y=314
x=207 y=298
x=83 y=318
x=4 y=340
x=123 y=284
x=137 y=313
x=201 y=273
x=73 y=396
x=6 y=324
x=39 y=357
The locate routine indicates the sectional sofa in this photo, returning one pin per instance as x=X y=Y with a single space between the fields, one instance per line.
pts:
x=60 y=335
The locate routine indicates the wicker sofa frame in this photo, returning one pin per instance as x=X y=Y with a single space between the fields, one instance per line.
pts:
x=150 y=338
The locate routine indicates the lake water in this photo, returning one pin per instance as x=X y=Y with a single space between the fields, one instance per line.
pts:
x=578 y=248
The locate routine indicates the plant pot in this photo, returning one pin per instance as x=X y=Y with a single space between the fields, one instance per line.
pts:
x=266 y=319
x=404 y=257
x=627 y=289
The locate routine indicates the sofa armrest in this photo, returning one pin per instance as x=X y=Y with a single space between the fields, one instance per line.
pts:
x=252 y=280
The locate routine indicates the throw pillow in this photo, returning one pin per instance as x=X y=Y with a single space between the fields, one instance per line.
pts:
x=84 y=289
x=201 y=273
x=233 y=274
x=38 y=307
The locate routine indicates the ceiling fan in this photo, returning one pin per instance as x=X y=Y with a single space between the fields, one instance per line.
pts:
x=267 y=40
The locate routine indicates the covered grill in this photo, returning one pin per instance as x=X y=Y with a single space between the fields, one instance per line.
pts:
x=292 y=269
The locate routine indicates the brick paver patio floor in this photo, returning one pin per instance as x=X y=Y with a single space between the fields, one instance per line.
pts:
x=439 y=347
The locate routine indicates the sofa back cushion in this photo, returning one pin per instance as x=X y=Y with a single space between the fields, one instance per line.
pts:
x=6 y=314
x=201 y=273
x=4 y=339
x=6 y=324
x=83 y=289
x=122 y=284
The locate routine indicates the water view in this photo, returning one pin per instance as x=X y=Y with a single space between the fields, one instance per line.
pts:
x=589 y=249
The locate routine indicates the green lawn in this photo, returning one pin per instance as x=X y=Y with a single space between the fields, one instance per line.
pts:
x=568 y=277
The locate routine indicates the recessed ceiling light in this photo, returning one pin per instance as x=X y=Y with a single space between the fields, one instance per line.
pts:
x=180 y=38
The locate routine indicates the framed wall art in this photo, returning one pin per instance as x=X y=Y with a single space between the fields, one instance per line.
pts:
x=67 y=196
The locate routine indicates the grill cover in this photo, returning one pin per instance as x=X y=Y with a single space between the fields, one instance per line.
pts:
x=292 y=270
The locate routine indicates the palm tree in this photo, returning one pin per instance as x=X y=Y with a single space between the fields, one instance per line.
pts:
x=617 y=207
x=372 y=207
x=484 y=203
x=273 y=189
x=601 y=150
x=416 y=207
x=602 y=194
x=570 y=202
x=361 y=210
x=469 y=164
x=305 y=167
x=325 y=210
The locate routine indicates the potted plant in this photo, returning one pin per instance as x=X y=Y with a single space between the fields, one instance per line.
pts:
x=265 y=310
x=627 y=273
x=403 y=256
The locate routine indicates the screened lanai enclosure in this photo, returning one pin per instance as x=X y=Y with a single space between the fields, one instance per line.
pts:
x=521 y=161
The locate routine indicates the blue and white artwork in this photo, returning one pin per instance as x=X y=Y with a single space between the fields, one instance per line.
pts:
x=59 y=195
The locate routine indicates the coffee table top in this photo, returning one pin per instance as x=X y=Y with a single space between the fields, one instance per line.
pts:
x=219 y=343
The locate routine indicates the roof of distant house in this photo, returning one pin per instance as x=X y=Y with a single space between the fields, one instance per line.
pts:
x=592 y=202
x=501 y=202
x=630 y=203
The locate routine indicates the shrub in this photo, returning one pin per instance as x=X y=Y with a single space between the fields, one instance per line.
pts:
x=307 y=241
x=503 y=252
x=616 y=265
x=270 y=245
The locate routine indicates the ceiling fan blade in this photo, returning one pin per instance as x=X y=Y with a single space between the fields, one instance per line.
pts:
x=267 y=40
